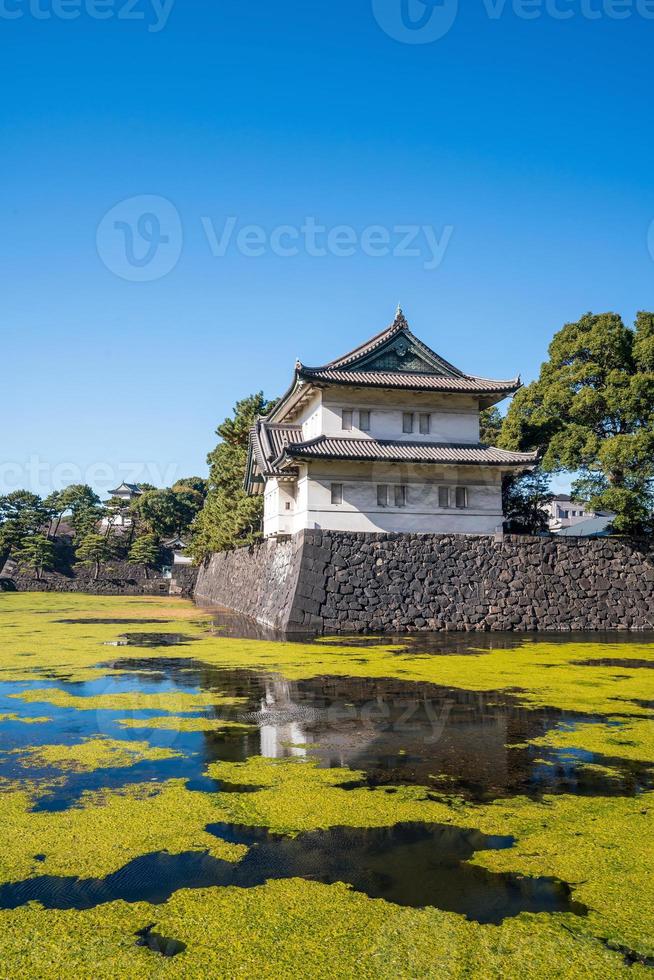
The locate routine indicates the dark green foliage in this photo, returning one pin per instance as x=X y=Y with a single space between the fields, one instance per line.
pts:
x=490 y=426
x=591 y=411
x=523 y=496
x=193 y=483
x=93 y=550
x=82 y=505
x=161 y=512
x=21 y=514
x=38 y=553
x=230 y=517
x=145 y=551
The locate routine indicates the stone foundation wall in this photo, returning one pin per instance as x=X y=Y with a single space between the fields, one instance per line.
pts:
x=119 y=578
x=338 y=582
x=259 y=582
x=184 y=580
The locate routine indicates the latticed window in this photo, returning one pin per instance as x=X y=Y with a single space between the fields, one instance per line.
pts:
x=382 y=495
x=400 y=496
x=425 y=423
x=337 y=493
x=364 y=421
x=346 y=423
x=443 y=496
x=461 y=497
x=407 y=422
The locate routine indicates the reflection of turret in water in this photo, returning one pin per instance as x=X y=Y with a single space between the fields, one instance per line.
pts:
x=282 y=722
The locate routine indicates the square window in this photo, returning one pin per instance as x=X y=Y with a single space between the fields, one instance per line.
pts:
x=382 y=495
x=346 y=422
x=400 y=496
x=425 y=423
x=407 y=422
x=461 y=497
x=443 y=497
x=337 y=494
x=364 y=421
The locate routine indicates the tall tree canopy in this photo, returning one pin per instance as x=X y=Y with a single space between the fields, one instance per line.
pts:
x=591 y=411
x=230 y=517
x=21 y=514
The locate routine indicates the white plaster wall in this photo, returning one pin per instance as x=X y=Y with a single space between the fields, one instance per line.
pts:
x=310 y=417
x=271 y=509
x=360 y=511
x=282 y=502
x=454 y=418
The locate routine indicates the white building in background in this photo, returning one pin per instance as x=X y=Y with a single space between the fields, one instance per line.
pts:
x=564 y=511
x=127 y=492
x=385 y=438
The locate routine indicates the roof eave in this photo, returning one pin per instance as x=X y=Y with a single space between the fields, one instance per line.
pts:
x=508 y=387
x=299 y=390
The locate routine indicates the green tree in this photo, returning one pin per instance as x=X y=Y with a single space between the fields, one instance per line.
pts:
x=37 y=552
x=230 y=517
x=21 y=514
x=194 y=483
x=157 y=511
x=523 y=496
x=54 y=504
x=82 y=505
x=591 y=411
x=490 y=426
x=93 y=550
x=145 y=551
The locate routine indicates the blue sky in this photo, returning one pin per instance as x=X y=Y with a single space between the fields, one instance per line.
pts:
x=522 y=145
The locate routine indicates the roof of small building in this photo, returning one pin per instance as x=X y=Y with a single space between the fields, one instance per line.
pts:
x=595 y=527
x=394 y=358
x=124 y=487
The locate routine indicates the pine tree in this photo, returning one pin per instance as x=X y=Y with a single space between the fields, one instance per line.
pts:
x=94 y=549
x=230 y=517
x=145 y=551
x=37 y=552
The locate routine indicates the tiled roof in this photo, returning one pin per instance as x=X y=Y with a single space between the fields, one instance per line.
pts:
x=393 y=359
x=269 y=440
x=132 y=487
x=398 y=326
x=418 y=382
x=325 y=447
